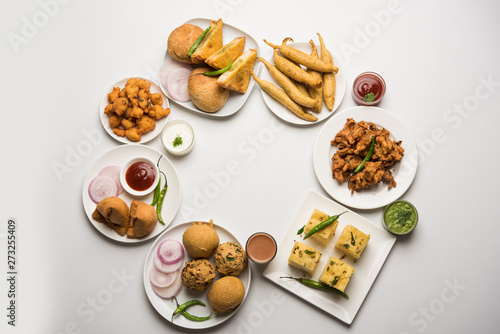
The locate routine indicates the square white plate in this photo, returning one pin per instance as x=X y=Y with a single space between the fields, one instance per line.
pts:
x=366 y=267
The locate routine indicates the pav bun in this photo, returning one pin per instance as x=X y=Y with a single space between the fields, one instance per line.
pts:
x=226 y=294
x=180 y=41
x=204 y=91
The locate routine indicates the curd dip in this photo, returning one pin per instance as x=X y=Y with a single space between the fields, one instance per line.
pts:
x=261 y=247
x=178 y=137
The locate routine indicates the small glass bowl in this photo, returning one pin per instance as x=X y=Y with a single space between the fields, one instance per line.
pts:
x=167 y=137
x=270 y=256
x=124 y=183
x=384 y=224
x=359 y=100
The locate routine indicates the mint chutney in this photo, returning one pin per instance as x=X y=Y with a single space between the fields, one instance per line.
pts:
x=400 y=217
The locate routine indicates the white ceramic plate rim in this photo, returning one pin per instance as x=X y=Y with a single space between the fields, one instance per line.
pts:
x=145 y=137
x=376 y=196
x=165 y=307
x=236 y=100
x=286 y=115
x=366 y=267
x=119 y=156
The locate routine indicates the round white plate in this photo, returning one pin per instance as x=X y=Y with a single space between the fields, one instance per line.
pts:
x=378 y=195
x=145 y=137
x=286 y=115
x=166 y=307
x=119 y=156
x=236 y=100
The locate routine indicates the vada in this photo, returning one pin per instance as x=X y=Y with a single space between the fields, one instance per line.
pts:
x=230 y=259
x=204 y=91
x=200 y=240
x=180 y=41
x=198 y=274
x=226 y=294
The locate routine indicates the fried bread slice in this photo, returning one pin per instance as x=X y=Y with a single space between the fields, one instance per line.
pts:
x=231 y=51
x=210 y=43
x=237 y=78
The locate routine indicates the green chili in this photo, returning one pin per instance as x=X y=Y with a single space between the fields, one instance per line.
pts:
x=187 y=304
x=317 y=285
x=194 y=317
x=159 y=205
x=323 y=224
x=158 y=186
x=301 y=230
x=195 y=44
x=367 y=158
x=182 y=310
x=217 y=72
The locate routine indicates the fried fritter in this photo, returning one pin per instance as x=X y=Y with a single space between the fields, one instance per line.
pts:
x=133 y=134
x=156 y=99
x=353 y=143
x=146 y=124
x=120 y=105
x=115 y=93
x=159 y=112
x=114 y=121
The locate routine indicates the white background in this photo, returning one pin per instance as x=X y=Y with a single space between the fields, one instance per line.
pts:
x=435 y=58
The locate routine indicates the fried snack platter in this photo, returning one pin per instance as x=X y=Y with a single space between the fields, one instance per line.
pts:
x=367 y=266
x=119 y=156
x=235 y=101
x=286 y=115
x=146 y=137
x=165 y=307
x=378 y=195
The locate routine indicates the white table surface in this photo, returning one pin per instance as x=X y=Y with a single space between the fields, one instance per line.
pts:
x=440 y=61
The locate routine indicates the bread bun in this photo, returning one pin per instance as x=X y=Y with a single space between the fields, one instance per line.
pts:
x=180 y=41
x=226 y=294
x=204 y=91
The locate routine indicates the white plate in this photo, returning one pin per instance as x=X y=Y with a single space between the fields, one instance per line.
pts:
x=145 y=137
x=366 y=267
x=378 y=195
x=166 y=307
x=236 y=100
x=286 y=115
x=119 y=156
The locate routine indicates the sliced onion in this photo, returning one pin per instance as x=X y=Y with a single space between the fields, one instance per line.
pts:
x=171 y=290
x=166 y=268
x=102 y=186
x=169 y=66
x=113 y=171
x=170 y=251
x=161 y=279
x=177 y=84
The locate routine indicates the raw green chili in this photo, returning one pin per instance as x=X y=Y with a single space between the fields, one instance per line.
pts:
x=367 y=158
x=182 y=310
x=217 y=72
x=159 y=205
x=317 y=285
x=195 y=44
x=158 y=186
x=187 y=304
x=301 y=230
x=323 y=224
x=194 y=317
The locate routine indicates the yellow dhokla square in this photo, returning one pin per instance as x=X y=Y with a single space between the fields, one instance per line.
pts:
x=324 y=235
x=352 y=241
x=336 y=274
x=304 y=257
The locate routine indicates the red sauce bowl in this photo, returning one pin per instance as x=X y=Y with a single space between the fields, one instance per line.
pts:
x=366 y=83
x=139 y=176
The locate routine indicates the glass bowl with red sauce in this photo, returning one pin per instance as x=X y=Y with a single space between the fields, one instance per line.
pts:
x=139 y=176
x=368 y=89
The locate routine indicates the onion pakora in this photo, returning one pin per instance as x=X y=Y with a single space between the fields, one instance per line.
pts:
x=353 y=143
x=133 y=110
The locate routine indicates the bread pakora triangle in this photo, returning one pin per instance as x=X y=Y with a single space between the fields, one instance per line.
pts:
x=210 y=43
x=237 y=78
x=222 y=57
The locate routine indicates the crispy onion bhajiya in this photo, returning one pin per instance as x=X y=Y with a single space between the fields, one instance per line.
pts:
x=353 y=143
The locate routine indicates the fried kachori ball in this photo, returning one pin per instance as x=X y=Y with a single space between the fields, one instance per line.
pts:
x=230 y=259
x=226 y=294
x=200 y=240
x=180 y=41
x=198 y=274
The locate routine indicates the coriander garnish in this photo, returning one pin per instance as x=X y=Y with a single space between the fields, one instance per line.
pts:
x=370 y=97
x=177 y=141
